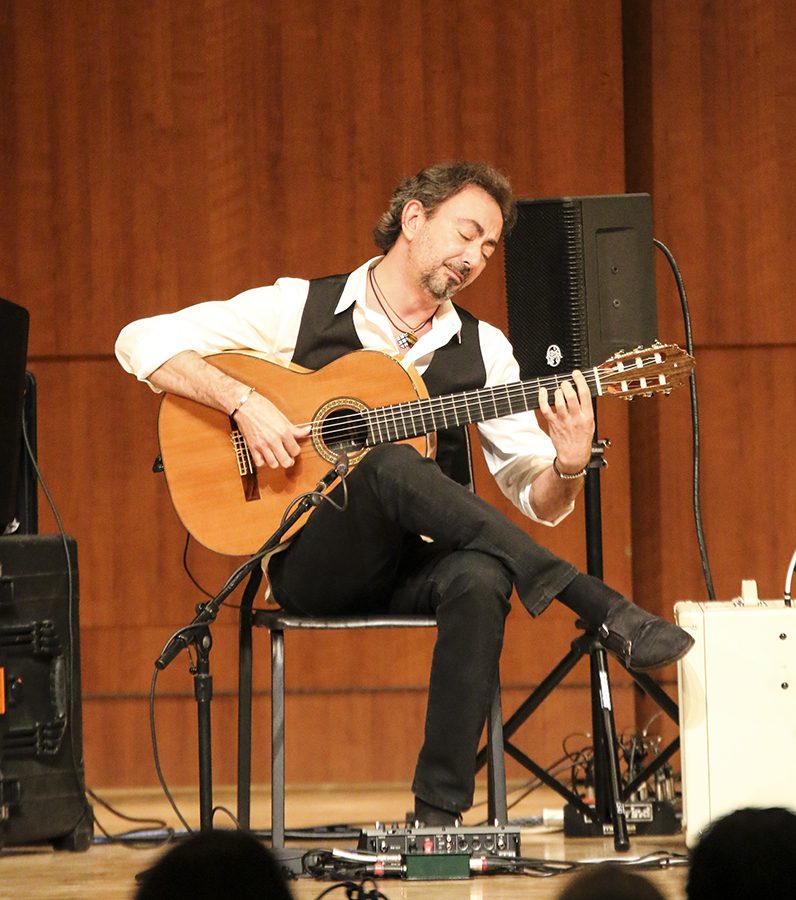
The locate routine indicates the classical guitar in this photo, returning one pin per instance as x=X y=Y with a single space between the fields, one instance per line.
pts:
x=354 y=403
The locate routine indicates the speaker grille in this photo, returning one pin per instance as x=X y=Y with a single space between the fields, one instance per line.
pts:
x=580 y=281
x=545 y=288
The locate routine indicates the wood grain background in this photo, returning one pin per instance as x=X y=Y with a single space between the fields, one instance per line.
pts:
x=159 y=153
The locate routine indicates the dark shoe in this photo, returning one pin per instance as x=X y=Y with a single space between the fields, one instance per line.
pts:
x=642 y=641
x=432 y=816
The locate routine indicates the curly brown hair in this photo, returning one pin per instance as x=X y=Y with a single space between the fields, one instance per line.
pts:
x=434 y=185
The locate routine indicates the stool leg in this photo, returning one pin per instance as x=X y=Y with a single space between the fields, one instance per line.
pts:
x=496 y=767
x=244 y=718
x=245 y=698
x=277 y=738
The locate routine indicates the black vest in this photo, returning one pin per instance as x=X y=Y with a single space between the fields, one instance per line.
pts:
x=458 y=366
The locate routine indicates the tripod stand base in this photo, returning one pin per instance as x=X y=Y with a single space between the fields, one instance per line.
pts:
x=643 y=817
x=290 y=859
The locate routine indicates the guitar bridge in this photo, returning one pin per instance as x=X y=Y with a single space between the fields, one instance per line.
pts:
x=246 y=467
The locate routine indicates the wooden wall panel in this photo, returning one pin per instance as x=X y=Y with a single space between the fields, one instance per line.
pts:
x=155 y=154
x=715 y=99
x=724 y=89
x=377 y=731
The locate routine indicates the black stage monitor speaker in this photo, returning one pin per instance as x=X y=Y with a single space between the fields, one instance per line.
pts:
x=580 y=281
x=14 y=321
x=42 y=794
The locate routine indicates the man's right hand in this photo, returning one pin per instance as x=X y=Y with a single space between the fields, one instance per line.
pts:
x=273 y=439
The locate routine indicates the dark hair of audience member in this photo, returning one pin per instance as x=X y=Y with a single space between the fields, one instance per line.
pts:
x=212 y=865
x=610 y=882
x=747 y=853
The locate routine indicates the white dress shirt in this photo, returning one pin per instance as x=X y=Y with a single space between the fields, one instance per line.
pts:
x=267 y=319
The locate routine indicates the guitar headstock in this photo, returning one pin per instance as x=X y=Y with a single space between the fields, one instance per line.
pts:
x=645 y=371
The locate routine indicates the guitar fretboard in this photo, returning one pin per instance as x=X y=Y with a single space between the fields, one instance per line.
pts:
x=407 y=420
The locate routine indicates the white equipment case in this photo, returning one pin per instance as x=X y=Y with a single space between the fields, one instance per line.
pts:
x=737 y=692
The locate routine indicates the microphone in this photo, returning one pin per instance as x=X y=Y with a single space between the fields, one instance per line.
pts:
x=338 y=470
x=341 y=464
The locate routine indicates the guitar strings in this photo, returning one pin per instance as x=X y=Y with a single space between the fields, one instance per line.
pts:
x=463 y=400
x=452 y=404
x=442 y=404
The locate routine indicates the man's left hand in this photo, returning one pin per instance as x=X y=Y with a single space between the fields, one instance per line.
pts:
x=570 y=422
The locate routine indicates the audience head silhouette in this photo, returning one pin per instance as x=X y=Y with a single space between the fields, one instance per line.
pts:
x=748 y=853
x=610 y=882
x=212 y=865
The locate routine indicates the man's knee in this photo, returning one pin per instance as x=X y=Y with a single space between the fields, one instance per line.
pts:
x=477 y=585
x=392 y=456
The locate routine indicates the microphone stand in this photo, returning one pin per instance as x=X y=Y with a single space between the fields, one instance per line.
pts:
x=197 y=633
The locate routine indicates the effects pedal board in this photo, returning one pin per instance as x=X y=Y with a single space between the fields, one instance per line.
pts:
x=481 y=840
x=649 y=817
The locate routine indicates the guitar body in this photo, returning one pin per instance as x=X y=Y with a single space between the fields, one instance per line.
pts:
x=234 y=514
x=357 y=401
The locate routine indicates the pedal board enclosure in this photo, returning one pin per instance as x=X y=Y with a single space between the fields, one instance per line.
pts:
x=479 y=840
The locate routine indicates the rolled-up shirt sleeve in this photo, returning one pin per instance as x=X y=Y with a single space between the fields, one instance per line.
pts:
x=264 y=319
x=516 y=448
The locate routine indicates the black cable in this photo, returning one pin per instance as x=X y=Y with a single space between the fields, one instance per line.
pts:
x=142 y=836
x=694 y=419
x=187 y=568
x=356 y=891
x=156 y=755
x=77 y=754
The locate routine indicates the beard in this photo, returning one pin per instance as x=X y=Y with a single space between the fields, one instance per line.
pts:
x=441 y=284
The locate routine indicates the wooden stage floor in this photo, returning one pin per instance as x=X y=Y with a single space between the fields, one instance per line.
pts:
x=108 y=871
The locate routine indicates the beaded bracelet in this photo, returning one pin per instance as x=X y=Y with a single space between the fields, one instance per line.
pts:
x=243 y=399
x=565 y=476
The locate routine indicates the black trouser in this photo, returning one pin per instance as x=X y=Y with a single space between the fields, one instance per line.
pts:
x=370 y=559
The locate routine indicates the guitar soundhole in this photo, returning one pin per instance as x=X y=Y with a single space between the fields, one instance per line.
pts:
x=339 y=426
x=344 y=430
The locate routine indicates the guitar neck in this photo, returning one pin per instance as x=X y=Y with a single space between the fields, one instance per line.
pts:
x=407 y=420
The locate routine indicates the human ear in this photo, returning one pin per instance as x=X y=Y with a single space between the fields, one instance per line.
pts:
x=413 y=217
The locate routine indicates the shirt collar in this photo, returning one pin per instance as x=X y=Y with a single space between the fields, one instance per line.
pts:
x=446 y=322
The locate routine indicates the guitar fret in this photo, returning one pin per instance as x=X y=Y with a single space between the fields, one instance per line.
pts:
x=407 y=432
x=453 y=410
x=480 y=405
x=440 y=403
x=508 y=406
x=378 y=424
x=394 y=424
x=424 y=429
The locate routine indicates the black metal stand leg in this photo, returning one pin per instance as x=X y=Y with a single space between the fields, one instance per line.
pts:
x=608 y=790
x=245 y=698
x=203 y=691
x=497 y=807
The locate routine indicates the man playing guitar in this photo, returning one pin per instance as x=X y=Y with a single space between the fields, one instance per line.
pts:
x=412 y=536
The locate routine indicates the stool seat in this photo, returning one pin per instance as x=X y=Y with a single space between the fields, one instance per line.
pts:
x=280 y=618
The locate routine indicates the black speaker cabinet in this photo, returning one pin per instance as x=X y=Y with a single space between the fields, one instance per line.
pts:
x=580 y=281
x=14 y=325
x=42 y=791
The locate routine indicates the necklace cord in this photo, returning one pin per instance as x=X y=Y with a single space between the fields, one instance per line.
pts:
x=379 y=295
